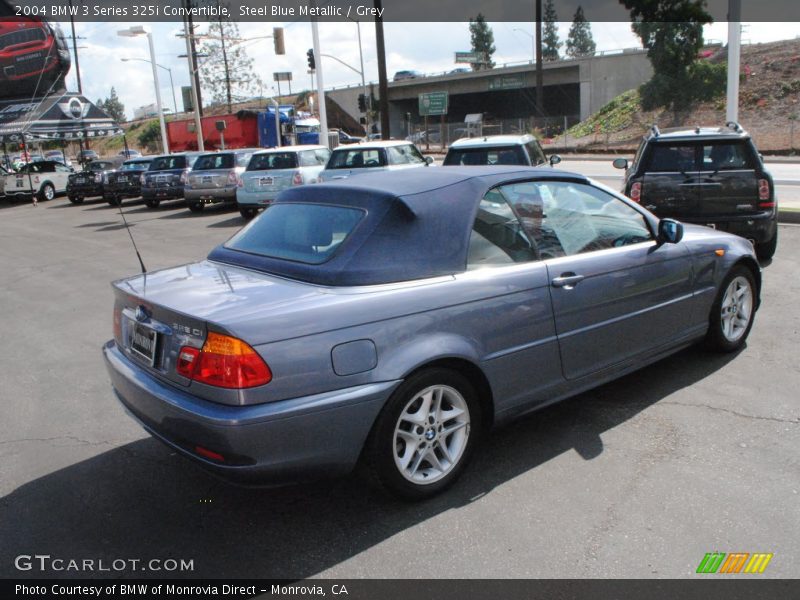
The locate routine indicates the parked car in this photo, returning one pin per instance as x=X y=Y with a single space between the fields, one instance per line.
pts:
x=85 y=156
x=129 y=153
x=166 y=176
x=498 y=150
x=357 y=159
x=395 y=317
x=58 y=155
x=709 y=176
x=214 y=178
x=43 y=180
x=346 y=138
x=126 y=182
x=269 y=172
x=404 y=75
x=91 y=181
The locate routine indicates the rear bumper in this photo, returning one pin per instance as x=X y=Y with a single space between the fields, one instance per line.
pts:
x=94 y=189
x=267 y=444
x=245 y=198
x=759 y=227
x=162 y=193
x=121 y=189
x=211 y=196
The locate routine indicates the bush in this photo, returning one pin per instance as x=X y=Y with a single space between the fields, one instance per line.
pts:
x=150 y=135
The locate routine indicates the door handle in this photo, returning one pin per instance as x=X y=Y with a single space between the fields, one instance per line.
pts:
x=567 y=281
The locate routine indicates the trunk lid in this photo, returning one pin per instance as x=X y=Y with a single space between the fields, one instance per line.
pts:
x=273 y=180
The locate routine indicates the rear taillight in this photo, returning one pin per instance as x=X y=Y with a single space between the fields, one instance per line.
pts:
x=224 y=362
x=297 y=179
x=232 y=178
x=98 y=177
x=765 y=194
x=239 y=182
x=636 y=192
x=142 y=179
x=184 y=176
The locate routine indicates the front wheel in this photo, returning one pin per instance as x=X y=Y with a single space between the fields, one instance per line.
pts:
x=196 y=207
x=48 y=192
x=425 y=434
x=733 y=311
x=76 y=199
x=247 y=213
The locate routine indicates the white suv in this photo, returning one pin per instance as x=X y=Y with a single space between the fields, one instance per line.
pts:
x=368 y=157
x=41 y=180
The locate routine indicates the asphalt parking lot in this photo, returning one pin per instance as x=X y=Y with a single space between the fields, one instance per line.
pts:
x=639 y=478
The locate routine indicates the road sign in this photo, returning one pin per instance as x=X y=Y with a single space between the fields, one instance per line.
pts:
x=507 y=82
x=282 y=76
x=433 y=103
x=470 y=57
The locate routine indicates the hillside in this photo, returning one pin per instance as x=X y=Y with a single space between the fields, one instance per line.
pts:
x=769 y=106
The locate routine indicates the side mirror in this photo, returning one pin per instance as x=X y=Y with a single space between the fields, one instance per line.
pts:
x=429 y=160
x=554 y=159
x=620 y=163
x=670 y=231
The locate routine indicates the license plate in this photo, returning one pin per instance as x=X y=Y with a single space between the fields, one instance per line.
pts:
x=20 y=182
x=80 y=180
x=122 y=178
x=207 y=179
x=27 y=57
x=142 y=341
x=161 y=179
x=265 y=181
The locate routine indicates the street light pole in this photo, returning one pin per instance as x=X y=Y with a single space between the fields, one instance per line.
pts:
x=198 y=125
x=734 y=51
x=323 y=113
x=134 y=32
x=367 y=100
x=171 y=83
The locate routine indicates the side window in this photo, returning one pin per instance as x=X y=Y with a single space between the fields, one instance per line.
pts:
x=62 y=169
x=307 y=159
x=536 y=153
x=497 y=236
x=396 y=156
x=565 y=218
x=322 y=156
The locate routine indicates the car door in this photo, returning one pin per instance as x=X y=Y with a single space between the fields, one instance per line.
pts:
x=617 y=294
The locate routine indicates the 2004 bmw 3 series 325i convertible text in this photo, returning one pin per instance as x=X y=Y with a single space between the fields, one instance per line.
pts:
x=393 y=318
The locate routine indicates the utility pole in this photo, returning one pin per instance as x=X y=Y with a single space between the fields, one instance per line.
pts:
x=192 y=51
x=323 y=112
x=539 y=73
x=734 y=51
x=383 y=82
x=198 y=124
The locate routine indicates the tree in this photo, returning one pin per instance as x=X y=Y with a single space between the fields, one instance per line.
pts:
x=113 y=106
x=580 y=41
x=482 y=40
x=672 y=33
x=550 y=41
x=227 y=74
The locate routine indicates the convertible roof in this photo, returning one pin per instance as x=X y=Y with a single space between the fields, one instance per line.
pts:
x=417 y=224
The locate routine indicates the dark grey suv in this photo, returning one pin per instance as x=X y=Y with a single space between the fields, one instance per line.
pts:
x=709 y=176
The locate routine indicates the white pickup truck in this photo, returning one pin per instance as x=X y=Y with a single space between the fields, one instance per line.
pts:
x=41 y=179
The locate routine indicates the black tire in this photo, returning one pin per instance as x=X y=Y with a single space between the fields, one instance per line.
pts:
x=383 y=446
x=151 y=202
x=720 y=337
x=247 y=213
x=766 y=250
x=113 y=199
x=76 y=199
x=46 y=192
x=196 y=207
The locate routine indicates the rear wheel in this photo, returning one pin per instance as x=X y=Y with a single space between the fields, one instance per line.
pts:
x=113 y=199
x=196 y=207
x=76 y=199
x=48 y=192
x=248 y=213
x=425 y=434
x=151 y=202
x=733 y=311
x=766 y=250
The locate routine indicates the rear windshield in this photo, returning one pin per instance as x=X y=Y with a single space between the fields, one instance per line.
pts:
x=699 y=156
x=134 y=165
x=307 y=233
x=214 y=161
x=356 y=159
x=277 y=160
x=165 y=163
x=507 y=155
x=100 y=166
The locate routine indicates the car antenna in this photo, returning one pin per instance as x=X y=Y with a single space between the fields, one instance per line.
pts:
x=130 y=235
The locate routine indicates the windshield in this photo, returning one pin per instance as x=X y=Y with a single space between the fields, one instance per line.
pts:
x=99 y=166
x=356 y=158
x=165 y=163
x=135 y=165
x=276 y=160
x=307 y=233
x=503 y=155
x=209 y=162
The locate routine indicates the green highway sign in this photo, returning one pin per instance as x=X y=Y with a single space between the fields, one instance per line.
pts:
x=470 y=57
x=507 y=82
x=433 y=104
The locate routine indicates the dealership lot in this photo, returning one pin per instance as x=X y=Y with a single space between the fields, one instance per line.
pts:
x=639 y=478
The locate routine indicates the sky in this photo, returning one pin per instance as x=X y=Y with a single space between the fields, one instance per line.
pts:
x=425 y=47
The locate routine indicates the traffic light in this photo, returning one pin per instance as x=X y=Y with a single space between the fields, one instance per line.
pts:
x=277 y=37
x=312 y=64
x=362 y=103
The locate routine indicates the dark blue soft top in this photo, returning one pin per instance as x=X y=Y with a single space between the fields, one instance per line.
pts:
x=417 y=224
